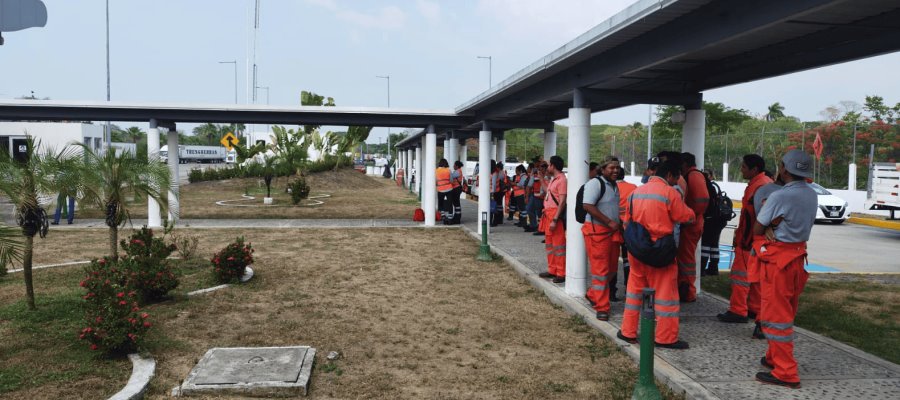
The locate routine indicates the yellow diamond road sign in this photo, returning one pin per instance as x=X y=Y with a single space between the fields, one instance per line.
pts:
x=229 y=140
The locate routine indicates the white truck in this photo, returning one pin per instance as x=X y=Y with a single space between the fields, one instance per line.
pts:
x=195 y=154
x=884 y=187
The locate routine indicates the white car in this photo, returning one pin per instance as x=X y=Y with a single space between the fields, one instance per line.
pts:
x=831 y=207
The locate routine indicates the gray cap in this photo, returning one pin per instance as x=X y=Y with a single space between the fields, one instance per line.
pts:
x=799 y=163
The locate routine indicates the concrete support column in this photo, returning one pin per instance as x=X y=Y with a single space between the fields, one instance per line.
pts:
x=494 y=150
x=429 y=188
x=446 y=149
x=453 y=152
x=577 y=276
x=694 y=141
x=463 y=151
x=633 y=173
x=484 y=175
x=174 y=160
x=501 y=149
x=724 y=176
x=851 y=177
x=418 y=168
x=154 y=219
x=549 y=145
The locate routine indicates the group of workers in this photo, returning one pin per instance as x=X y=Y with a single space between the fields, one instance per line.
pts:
x=767 y=275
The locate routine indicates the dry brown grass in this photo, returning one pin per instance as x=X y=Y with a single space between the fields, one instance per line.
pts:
x=353 y=196
x=411 y=312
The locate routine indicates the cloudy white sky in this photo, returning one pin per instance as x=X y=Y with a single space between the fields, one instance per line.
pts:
x=169 y=51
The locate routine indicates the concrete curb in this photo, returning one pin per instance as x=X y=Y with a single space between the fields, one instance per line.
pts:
x=878 y=223
x=66 y=264
x=142 y=370
x=663 y=371
x=248 y=274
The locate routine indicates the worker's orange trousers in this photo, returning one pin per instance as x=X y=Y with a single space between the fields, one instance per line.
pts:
x=745 y=294
x=603 y=256
x=666 y=303
x=781 y=290
x=555 y=244
x=687 y=258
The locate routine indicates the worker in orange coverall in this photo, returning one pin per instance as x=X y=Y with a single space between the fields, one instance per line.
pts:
x=602 y=233
x=697 y=199
x=745 y=295
x=555 y=214
x=658 y=207
x=786 y=220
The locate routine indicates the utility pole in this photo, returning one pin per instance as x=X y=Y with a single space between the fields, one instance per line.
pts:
x=108 y=132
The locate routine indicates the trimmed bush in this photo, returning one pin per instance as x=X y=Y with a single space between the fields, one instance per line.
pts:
x=229 y=263
x=147 y=270
x=299 y=190
x=114 y=322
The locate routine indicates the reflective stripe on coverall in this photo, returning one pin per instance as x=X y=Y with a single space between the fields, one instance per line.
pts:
x=656 y=206
x=782 y=279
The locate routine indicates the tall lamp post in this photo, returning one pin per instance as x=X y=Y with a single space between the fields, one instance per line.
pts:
x=108 y=131
x=235 y=77
x=388 y=79
x=488 y=58
x=267 y=100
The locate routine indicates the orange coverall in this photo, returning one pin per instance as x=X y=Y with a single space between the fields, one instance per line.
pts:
x=745 y=294
x=782 y=279
x=656 y=206
x=555 y=239
x=696 y=198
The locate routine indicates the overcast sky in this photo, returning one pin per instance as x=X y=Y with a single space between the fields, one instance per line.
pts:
x=169 y=51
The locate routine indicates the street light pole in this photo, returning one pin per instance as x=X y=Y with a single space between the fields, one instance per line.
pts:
x=267 y=100
x=388 y=78
x=490 y=67
x=108 y=131
x=235 y=77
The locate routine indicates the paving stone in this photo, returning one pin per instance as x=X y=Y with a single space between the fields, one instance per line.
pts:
x=857 y=389
x=255 y=371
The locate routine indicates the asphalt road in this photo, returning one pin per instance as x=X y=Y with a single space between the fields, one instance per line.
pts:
x=850 y=248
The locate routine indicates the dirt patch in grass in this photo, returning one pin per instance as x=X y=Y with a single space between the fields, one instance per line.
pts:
x=412 y=313
x=860 y=310
x=352 y=196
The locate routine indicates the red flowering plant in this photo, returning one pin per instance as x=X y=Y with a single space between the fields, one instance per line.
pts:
x=229 y=263
x=148 y=271
x=114 y=322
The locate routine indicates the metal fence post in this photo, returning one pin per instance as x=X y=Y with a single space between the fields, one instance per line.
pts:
x=646 y=387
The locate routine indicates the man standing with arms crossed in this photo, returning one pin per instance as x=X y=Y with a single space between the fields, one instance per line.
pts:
x=697 y=199
x=602 y=233
x=745 y=297
x=786 y=219
x=555 y=211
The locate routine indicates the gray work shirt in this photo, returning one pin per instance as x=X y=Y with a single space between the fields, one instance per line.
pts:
x=608 y=205
x=796 y=202
x=763 y=193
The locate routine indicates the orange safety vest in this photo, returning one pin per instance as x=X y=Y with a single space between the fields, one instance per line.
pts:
x=536 y=187
x=519 y=191
x=442 y=175
x=743 y=235
x=658 y=207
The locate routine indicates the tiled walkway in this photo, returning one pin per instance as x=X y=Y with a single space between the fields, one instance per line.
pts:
x=723 y=359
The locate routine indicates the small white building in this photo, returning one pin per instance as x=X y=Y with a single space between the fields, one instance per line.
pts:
x=51 y=134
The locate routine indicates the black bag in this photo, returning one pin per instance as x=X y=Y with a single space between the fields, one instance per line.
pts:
x=659 y=254
x=720 y=207
x=580 y=213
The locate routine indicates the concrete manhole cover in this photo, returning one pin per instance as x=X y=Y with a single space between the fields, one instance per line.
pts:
x=254 y=371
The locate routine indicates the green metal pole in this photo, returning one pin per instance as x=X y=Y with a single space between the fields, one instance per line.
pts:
x=646 y=387
x=484 y=251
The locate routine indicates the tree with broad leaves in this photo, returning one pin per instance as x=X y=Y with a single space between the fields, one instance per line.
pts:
x=775 y=112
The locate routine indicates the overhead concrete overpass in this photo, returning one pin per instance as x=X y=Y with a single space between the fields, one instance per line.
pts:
x=653 y=52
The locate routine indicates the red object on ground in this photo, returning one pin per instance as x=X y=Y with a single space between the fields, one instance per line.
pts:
x=419 y=215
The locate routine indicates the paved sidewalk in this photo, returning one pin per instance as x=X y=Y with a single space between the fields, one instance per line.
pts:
x=256 y=223
x=723 y=359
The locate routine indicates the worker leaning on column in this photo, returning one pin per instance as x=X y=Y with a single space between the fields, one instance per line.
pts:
x=625 y=190
x=786 y=220
x=745 y=297
x=444 y=187
x=456 y=180
x=697 y=198
x=555 y=214
x=602 y=233
x=658 y=207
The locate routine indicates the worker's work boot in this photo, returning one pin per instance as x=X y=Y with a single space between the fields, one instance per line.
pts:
x=769 y=379
x=731 y=317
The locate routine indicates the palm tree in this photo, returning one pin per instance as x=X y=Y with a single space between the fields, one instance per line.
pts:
x=25 y=182
x=776 y=111
x=354 y=136
x=209 y=131
x=110 y=178
x=134 y=134
x=10 y=247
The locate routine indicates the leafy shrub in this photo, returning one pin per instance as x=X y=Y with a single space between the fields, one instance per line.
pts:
x=113 y=318
x=299 y=190
x=229 y=263
x=147 y=270
x=196 y=175
x=186 y=244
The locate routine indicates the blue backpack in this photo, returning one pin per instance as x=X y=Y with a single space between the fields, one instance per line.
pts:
x=659 y=254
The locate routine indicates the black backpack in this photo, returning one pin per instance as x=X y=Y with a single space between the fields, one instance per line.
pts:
x=658 y=254
x=580 y=213
x=720 y=207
